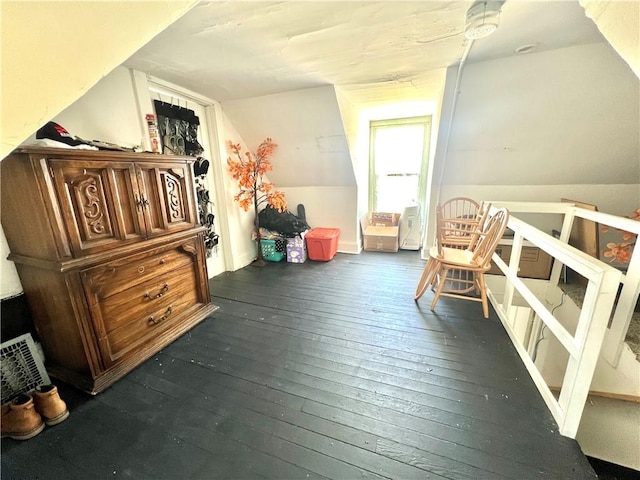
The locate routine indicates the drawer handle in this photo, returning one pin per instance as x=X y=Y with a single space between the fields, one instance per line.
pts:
x=154 y=321
x=164 y=290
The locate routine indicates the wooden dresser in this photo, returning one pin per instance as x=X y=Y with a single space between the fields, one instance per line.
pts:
x=109 y=253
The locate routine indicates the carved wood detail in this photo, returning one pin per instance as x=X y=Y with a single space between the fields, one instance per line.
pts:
x=89 y=194
x=92 y=306
x=189 y=248
x=174 y=197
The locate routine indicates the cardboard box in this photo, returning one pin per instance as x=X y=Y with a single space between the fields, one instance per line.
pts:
x=534 y=263
x=380 y=231
x=384 y=219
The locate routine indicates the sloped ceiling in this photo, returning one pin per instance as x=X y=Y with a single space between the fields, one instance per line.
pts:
x=619 y=22
x=54 y=52
x=376 y=52
x=312 y=144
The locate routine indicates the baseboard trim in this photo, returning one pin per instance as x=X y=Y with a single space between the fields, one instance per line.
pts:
x=349 y=247
x=613 y=396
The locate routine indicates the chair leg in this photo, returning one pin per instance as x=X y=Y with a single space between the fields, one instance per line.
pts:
x=428 y=277
x=441 y=282
x=483 y=294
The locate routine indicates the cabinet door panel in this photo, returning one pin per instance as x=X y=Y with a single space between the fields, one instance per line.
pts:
x=129 y=216
x=170 y=204
x=95 y=198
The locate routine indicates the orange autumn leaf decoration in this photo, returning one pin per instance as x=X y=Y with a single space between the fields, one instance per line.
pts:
x=621 y=252
x=248 y=169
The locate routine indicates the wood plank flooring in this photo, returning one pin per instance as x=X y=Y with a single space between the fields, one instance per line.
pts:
x=316 y=370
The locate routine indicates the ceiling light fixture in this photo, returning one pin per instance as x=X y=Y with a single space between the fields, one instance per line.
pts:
x=482 y=19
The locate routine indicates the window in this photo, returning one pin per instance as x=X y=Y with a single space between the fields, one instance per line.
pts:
x=398 y=156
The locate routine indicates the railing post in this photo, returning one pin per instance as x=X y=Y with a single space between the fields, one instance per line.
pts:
x=565 y=233
x=514 y=262
x=592 y=326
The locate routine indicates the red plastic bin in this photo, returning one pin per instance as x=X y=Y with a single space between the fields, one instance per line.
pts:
x=322 y=243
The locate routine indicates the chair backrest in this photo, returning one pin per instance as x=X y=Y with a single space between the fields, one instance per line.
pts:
x=488 y=240
x=481 y=220
x=460 y=207
x=458 y=221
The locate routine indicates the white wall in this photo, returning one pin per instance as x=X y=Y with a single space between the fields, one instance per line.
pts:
x=241 y=223
x=9 y=282
x=542 y=126
x=307 y=126
x=567 y=116
x=107 y=112
x=356 y=129
x=312 y=163
x=325 y=207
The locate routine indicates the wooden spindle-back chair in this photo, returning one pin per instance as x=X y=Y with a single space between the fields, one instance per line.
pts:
x=458 y=225
x=476 y=260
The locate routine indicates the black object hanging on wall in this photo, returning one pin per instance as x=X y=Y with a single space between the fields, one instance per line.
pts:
x=178 y=128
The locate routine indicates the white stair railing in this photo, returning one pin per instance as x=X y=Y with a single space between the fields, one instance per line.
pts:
x=617 y=331
x=583 y=346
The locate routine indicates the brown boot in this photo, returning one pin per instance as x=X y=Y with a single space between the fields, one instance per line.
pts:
x=20 y=420
x=49 y=404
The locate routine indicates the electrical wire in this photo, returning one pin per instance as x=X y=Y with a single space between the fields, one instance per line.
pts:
x=454 y=102
x=542 y=337
x=402 y=243
x=412 y=228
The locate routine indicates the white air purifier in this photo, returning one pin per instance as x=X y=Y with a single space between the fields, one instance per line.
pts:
x=410 y=228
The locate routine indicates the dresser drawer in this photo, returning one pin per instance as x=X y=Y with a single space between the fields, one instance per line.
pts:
x=130 y=318
x=120 y=275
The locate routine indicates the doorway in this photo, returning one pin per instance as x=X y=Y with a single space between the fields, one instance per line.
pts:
x=207 y=195
x=398 y=160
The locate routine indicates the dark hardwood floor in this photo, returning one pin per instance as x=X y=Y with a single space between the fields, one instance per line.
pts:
x=316 y=370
